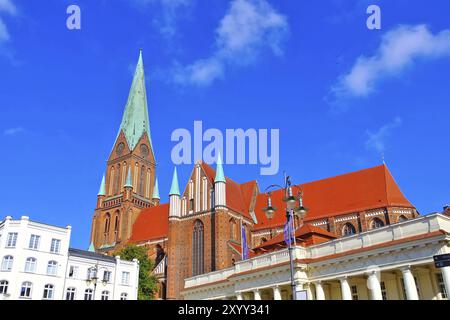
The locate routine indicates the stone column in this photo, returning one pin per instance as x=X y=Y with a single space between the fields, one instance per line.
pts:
x=374 y=286
x=309 y=291
x=446 y=277
x=276 y=293
x=410 y=284
x=257 y=294
x=345 y=289
x=320 y=294
x=239 y=295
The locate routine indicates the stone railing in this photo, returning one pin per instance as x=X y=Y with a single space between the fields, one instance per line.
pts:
x=406 y=229
x=265 y=260
x=410 y=228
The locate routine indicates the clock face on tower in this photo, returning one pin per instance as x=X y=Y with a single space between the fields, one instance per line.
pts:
x=120 y=148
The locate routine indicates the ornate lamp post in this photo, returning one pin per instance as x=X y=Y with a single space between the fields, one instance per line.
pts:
x=291 y=210
x=93 y=278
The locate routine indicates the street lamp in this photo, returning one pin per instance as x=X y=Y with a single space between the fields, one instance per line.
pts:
x=93 y=277
x=291 y=210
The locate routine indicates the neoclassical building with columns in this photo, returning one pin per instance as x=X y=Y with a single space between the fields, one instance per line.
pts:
x=361 y=238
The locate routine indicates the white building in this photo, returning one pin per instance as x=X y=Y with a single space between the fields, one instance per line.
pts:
x=391 y=263
x=37 y=263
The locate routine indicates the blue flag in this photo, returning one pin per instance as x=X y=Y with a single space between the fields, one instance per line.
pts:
x=289 y=232
x=245 y=251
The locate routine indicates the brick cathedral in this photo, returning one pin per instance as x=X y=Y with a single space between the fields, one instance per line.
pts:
x=199 y=230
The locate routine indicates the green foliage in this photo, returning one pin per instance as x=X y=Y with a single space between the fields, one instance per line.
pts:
x=147 y=280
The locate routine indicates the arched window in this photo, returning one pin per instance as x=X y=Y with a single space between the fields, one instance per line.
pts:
x=7 y=263
x=116 y=225
x=48 y=292
x=111 y=181
x=142 y=181
x=30 y=265
x=117 y=180
x=70 y=294
x=402 y=218
x=52 y=268
x=4 y=287
x=88 y=294
x=263 y=240
x=105 y=295
x=233 y=229
x=124 y=296
x=197 y=248
x=107 y=222
x=348 y=229
x=376 y=223
x=25 y=290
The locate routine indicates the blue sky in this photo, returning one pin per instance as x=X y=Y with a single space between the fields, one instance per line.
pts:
x=340 y=94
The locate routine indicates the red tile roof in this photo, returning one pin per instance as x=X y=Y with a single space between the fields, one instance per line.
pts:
x=151 y=224
x=302 y=234
x=352 y=192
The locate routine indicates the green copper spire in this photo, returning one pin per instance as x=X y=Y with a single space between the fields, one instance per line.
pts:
x=156 y=190
x=91 y=247
x=135 y=120
x=102 y=190
x=128 y=180
x=174 y=189
x=220 y=176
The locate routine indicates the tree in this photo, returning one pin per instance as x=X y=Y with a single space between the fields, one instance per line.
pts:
x=147 y=280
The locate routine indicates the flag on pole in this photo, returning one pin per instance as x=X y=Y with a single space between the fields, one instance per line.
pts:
x=289 y=232
x=245 y=250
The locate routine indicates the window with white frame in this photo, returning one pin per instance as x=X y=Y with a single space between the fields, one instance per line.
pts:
x=11 y=241
x=73 y=272
x=88 y=294
x=55 y=246
x=30 y=264
x=107 y=276
x=442 y=290
x=52 y=268
x=125 y=278
x=25 y=290
x=105 y=295
x=49 y=290
x=7 y=263
x=4 y=287
x=34 y=242
x=124 y=296
x=383 y=290
x=354 y=290
x=70 y=294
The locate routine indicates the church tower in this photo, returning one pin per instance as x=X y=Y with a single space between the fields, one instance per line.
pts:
x=128 y=184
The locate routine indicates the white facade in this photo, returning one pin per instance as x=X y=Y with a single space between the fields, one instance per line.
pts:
x=394 y=262
x=36 y=263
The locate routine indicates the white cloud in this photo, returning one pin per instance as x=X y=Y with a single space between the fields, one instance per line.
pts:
x=168 y=12
x=399 y=49
x=7 y=7
x=13 y=131
x=377 y=141
x=248 y=28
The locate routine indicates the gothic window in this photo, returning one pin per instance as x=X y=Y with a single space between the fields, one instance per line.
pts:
x=111 y=181
x=348 y=229
x=116 y=225
x=376 y=223
x=191 y=205
x=233 y=229
x=107 y=222
x=197 y=248
x=142 y=181
x=117 y=180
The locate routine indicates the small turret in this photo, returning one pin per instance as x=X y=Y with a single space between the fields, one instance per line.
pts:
x=155 y=196
x=128 y=186
x=174 y=197
x=101 y=193
x=220 y=196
